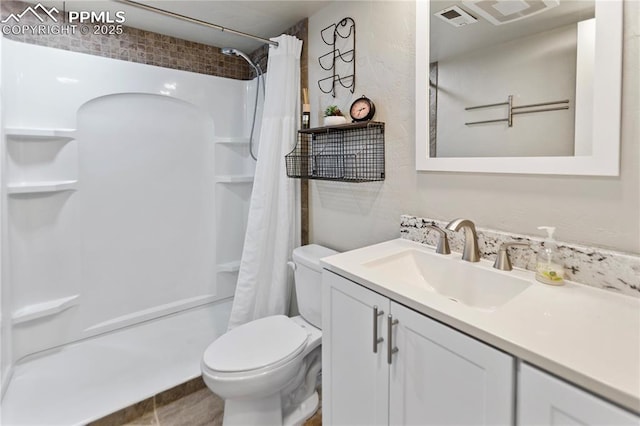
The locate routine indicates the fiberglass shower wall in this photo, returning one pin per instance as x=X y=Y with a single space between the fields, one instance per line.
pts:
x=127 y=192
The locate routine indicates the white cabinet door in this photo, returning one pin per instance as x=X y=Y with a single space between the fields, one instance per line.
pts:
x=355 y=380
x=440 y=376
x=545 y=400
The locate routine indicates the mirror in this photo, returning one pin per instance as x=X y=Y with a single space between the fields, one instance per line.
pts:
x=539 y=94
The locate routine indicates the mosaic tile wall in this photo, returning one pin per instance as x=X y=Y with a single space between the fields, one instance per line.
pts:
x=145 y=47
x=606 y=269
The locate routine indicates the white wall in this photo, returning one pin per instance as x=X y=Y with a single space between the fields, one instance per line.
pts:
x=595 y=211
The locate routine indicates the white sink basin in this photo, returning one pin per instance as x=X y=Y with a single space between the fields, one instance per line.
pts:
x=474 y=284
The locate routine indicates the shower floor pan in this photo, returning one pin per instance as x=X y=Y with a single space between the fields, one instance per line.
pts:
x=84 y=381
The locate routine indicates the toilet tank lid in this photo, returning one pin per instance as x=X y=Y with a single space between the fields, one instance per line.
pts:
x=311 y=254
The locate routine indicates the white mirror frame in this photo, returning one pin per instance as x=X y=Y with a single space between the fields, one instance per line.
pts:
x=605 y=157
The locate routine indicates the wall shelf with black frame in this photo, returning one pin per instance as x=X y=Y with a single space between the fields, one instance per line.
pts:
x=346 y=153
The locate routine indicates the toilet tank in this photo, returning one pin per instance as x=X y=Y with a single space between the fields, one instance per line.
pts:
x=308 y=281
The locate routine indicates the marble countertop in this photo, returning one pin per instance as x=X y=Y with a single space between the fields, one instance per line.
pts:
x=587 y=336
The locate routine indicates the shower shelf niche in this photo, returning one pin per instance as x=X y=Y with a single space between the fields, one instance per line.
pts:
x=26 y=134
x=346 y=153
x=44 y=309
x=234 y=179
x=232 y=140
x=228 y=266
x=234 y=172
x=42 y=187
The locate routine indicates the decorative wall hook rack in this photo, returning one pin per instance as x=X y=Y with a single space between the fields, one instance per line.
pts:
x=343 y=30
x=520 y=109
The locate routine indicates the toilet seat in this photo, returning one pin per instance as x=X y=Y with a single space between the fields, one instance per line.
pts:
x=259 y=345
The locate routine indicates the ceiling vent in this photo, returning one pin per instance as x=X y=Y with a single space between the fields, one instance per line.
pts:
x=500 y=12
x=456 y=16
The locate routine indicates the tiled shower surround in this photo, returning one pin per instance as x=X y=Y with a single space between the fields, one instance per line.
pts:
x=145 y=47
x=606 y=269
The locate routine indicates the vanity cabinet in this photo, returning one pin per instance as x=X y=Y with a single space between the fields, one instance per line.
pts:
x=436 y=376
x=544 y=400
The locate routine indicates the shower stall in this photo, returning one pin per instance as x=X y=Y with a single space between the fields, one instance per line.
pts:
x=125 y=197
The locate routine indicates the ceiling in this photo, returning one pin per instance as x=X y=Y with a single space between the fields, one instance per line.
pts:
x=447 y=41
x=262 y=18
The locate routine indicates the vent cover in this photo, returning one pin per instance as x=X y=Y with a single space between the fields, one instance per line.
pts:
x=456 y=16
x=500 y=12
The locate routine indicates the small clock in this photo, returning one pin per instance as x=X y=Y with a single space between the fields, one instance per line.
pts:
x=362 y=109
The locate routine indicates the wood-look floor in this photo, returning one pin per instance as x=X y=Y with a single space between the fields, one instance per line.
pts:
x=189 y=404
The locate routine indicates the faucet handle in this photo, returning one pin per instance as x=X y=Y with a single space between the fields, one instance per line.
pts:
x=503 y=262
x=443 y=241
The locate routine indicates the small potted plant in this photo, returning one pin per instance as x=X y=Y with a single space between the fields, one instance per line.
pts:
x=333 y=116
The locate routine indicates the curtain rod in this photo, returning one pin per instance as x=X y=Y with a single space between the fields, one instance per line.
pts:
x=194 y=21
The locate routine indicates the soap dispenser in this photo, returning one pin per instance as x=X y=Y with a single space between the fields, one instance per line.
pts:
x=549 y=269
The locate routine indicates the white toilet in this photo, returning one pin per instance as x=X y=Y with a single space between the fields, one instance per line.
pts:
x=267 y=370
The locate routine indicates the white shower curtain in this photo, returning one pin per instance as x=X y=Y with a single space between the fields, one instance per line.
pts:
x=273 y=231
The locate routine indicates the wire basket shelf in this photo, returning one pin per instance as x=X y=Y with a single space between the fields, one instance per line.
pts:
x=348 y=153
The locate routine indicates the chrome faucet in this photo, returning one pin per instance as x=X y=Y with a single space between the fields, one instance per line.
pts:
x=470 y=252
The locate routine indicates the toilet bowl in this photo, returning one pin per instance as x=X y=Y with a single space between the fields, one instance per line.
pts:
x=267 y=370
